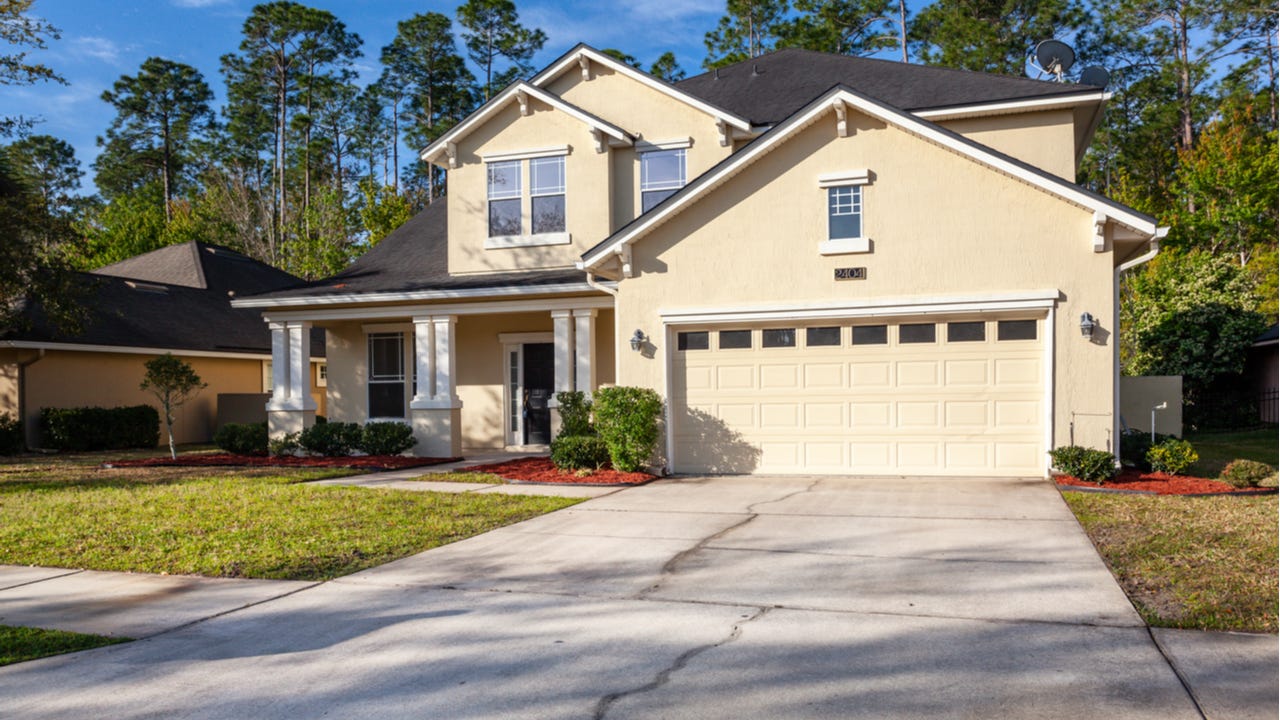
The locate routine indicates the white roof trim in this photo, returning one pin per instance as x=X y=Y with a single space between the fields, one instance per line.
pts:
x=871 y=307
x=1012 y=106
x=921 y=128
x=413 y=295
x=128 y=350
x=553 y=151
x=572 y=59
x=493 y=307
x=500 y=101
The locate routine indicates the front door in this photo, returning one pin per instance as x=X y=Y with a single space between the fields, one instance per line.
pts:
x=538 y=384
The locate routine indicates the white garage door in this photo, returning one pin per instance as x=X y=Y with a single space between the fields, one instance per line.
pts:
x=911 y=396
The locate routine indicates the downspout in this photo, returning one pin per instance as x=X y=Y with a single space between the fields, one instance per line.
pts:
x=22 y=394
x=1115 y=381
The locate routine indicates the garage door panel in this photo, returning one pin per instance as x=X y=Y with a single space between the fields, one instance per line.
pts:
x=735 y=377
x=1018 y=371
x=967 y=413
x=773 y=377
x=869 y=375
x=918 y=455
x=867 y=455
x=1013 y=413
x=784 y=416
x=824 y=455
x=968 y=455
x=824 y=416
x=917 y=374
x=917 y=415
x=779 y=455
x=1017 y=455
x=967 y=372
x=740 y=416
x=870 y=415
x=824 y=376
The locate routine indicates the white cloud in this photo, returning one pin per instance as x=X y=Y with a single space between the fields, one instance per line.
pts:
x=98 y=48
x=197 y=3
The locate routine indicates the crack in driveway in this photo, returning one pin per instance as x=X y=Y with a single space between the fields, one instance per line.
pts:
x=664 y=675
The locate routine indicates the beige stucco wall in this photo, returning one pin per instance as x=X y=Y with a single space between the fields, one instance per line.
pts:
x=1045 y=139
x=77 y=379
x=940 y=225
x=1139 y=394
x=479 y=374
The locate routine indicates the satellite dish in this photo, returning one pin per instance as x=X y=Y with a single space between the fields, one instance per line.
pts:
x=1054 y=57
x=1095 y=75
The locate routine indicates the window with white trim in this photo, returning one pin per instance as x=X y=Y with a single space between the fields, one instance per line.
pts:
x=533 y=217
x=846 y=222
x=386 y=375
x=505 y=197
x=662 y=173
x=546 y=191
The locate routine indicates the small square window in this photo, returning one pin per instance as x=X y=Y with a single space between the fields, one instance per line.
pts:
x=870 y=334
x=966 y=331
x=781 y=337
x=735 y=339
x=1016 y=330
x=693 y=340
x=917 y=333
x=662 y=173
x=821 y=336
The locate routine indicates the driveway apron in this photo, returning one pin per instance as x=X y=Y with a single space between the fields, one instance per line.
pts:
x=729 y=597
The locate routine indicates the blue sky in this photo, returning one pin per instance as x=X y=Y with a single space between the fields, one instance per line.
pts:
x=104 y=39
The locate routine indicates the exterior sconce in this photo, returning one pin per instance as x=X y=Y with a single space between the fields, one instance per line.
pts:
x=638 y=339
x=1087 y=324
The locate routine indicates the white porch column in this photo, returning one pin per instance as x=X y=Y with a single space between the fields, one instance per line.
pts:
x=424 y=358
x=279 y=365
x=584 y=337
x=446 y=356
x=436 y=409
x=564 y=347
x=291 y=408
x=300 y=366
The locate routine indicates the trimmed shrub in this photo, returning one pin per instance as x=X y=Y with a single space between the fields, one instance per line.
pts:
x=1246 y=473
x=1172 y=456
x=95 y=428
x=575 y=414
x=286 y=444
x=1134 y=445
x=11 y=440
x=386 y=438
x=627 y=420
x=331 y=439
x=1084 y=463
x=579 y=452
x=242 y=438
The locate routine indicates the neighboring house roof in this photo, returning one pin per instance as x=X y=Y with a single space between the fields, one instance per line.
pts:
x=174 y=298
x=413 y=263
x=771 y=87
x=842 y=95
x=1270 y=336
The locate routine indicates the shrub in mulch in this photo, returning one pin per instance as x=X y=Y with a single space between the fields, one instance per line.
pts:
x=1158 y=483
x=541 y=470
x=365 y=462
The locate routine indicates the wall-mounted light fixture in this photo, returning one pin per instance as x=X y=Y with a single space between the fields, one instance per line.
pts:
x=638 y=339
x=1087 y=325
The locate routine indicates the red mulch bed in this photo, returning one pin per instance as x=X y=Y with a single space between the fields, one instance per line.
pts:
x=1158 y=483
x=365 y=462
x=541 y=470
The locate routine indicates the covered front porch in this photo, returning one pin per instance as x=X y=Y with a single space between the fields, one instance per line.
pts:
x=474 y=375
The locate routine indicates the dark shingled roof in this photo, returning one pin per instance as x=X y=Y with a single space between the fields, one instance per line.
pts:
x=767 y=89
x=161 y=306
x=1268 y=336
x=415 y=257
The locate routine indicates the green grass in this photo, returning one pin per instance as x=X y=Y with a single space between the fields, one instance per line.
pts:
x=461 y=477
x=1218 y=449
x=19 y=644
x=258 y=523
x=1202 y=563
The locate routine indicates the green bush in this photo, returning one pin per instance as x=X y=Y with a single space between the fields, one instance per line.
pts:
x=11 y=440
x=386 y=438
x=286 y=444
x=331 y=439
x=242 y=438
x=1172 y=456
x=1246 y=473
x=95 y=428
x=1134 y=445
x=627 y=420
x=579 y=452
x=575 y=414
x=1084 y=463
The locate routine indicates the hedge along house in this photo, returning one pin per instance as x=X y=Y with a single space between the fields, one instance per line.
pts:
x=822 y=263
x=177 y=300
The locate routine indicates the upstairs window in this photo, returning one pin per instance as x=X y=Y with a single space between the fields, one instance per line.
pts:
x=844 y=212
x=505 y=194
x=662 y=173
x=546 y=190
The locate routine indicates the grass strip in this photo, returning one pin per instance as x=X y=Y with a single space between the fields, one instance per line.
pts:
x=19 y=644
x=460 y=477
x=1205 y=563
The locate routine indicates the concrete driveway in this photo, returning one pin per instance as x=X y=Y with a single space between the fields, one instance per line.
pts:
x=738 y=597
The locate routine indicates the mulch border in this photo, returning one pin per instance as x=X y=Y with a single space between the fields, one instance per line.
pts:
x=1122 y=491
x=487 y=468
x=264 y=462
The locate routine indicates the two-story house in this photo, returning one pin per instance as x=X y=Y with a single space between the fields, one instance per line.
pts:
x=824 y=264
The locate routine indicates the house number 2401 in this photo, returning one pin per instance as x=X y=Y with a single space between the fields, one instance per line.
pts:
x=856 y=273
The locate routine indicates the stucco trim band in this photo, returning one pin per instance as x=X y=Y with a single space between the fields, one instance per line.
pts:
x=889 y=306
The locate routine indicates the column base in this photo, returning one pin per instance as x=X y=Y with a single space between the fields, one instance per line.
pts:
x=438 y=432
x=283 y=422
x=556 y=422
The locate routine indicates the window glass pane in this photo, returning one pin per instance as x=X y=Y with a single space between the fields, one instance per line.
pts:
x=649 y=199
x=504 y=180
x=546 y=176
x=386 y=356
x=1016 y=330
x=735 y=339
x=966 y=332
x=504 y=217
x=844 y=212
x=548 y=214
x=822 y=336
x=662 y=170
x=921 y=333
x=781 y=337
x=870 y=334
x=693 y=341
x=386 y=399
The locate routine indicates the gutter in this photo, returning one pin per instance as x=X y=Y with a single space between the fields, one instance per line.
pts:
x=591 y=280
x=1129 y=264
x=22 y=395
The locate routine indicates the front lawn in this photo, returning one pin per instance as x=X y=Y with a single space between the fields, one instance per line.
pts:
x=19 y=644
x=1206 y=563
x=1218 y=449
x=251 y=522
